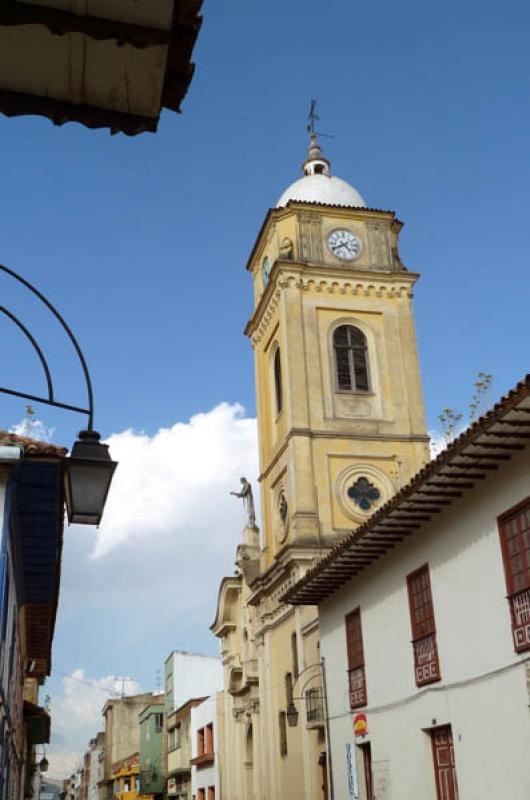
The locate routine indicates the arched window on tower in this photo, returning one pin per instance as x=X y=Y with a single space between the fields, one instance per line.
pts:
x=278 y=380
x=351 y=359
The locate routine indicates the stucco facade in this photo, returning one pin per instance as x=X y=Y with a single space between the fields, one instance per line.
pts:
x=205 y=742
x=122 y=734
x=320 y=439
x=479 y=689
x=178 y=750
x=190 y=675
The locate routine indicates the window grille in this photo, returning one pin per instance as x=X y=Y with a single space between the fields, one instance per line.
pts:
x=514 y=529
x=356 y=670
x=351 y=359
x=314 y=705
x=278 y=380
x=159 y=722
x=426 y=662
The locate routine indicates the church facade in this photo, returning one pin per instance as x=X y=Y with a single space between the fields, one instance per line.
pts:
x=341 y=429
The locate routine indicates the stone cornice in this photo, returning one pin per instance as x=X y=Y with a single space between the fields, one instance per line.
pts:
x=339 y=434
x=328 y=280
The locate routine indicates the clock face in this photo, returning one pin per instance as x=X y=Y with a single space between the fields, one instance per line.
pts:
x=344 y=244
x=265 y=270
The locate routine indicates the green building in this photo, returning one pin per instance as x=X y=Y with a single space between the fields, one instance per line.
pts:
x=152 y=768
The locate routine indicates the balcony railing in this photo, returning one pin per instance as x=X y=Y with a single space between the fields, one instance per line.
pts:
x=314 y=703
x=426 y=664
x=357 y=681
x=520 y=608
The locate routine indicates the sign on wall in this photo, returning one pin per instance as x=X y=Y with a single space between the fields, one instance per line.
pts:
x=360 y=725
x=353 y=789
x=172 y=786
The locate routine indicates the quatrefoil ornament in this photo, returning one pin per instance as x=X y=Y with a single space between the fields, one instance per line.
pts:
x=364 y=494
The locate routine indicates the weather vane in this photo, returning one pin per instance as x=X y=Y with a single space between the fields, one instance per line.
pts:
x=312 y=116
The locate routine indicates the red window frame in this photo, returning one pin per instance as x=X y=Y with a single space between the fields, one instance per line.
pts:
x=424 y=645
x=444 y=763
x=514 y=533
x=208 y=736
x=356 y=666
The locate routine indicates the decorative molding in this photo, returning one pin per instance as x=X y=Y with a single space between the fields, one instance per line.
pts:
x=348 y=476
x=354 y=287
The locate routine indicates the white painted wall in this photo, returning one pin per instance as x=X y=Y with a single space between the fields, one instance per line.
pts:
x=96 y=772
x=483 y=693
x=207 y=775
x=193 y=676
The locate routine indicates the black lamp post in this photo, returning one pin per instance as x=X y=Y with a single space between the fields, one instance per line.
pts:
x=89 y=470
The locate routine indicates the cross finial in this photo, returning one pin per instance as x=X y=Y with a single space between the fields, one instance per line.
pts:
x=312 y=116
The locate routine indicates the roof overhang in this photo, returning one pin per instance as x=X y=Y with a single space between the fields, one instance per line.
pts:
x=115 y=66
x=37 y=528
x=483 y=447
x=37 y=722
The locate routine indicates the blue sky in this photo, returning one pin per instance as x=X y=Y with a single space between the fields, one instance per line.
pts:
x=142 y=243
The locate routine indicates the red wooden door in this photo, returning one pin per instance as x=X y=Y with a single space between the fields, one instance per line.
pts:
x=444 y=763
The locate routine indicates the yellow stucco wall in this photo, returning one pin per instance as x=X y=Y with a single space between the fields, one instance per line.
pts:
x=312 y=451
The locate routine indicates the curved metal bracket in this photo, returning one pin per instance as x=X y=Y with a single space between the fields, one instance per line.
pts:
x=50 y=400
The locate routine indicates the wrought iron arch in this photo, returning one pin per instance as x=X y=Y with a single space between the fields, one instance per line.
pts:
x=50 y=399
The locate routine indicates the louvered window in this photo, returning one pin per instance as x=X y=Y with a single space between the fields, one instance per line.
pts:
x=351 y=359
x=514 y=529
x=426 y=663
x=356 y=671
x=278 y=380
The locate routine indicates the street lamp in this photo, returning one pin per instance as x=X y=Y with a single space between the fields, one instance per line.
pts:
x=89 y=470
x=292 y=715
x=292 y=712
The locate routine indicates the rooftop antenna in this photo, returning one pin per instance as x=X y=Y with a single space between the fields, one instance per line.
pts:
x=312 y=118
x=158 y=681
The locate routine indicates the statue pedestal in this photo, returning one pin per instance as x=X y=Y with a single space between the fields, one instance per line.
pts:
x=248 y=554
x=251 y=535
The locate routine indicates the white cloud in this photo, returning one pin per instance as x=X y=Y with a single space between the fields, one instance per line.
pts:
x=33 y=429
x=147 y=581
x=178 y=480
x=437 y=444
x=76 y=716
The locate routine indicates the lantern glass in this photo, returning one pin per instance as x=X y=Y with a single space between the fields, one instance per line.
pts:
x=292 y=715
x=89 y=472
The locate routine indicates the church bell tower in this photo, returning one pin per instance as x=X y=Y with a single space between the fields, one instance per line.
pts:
x=340 y=407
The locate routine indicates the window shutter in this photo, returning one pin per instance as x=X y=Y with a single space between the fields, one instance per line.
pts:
x=514 y=530
x=355 y=650
x=426 y=662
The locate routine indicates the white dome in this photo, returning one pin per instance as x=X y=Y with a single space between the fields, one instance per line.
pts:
x=320 y=188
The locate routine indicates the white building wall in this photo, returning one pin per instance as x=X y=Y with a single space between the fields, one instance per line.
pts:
x=96 y=772
x=483 y=693
x=208 y=775
x=194 y=676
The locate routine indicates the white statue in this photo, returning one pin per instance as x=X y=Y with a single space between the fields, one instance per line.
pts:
x=248 y=502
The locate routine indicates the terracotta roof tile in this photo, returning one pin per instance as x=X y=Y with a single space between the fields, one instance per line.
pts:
x=32 y=447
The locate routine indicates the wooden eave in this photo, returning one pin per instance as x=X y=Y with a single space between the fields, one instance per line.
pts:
x=178 y=41
x=467 y=460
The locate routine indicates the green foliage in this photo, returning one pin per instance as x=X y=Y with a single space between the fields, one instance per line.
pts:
x=481 y=399
x=451 y=421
